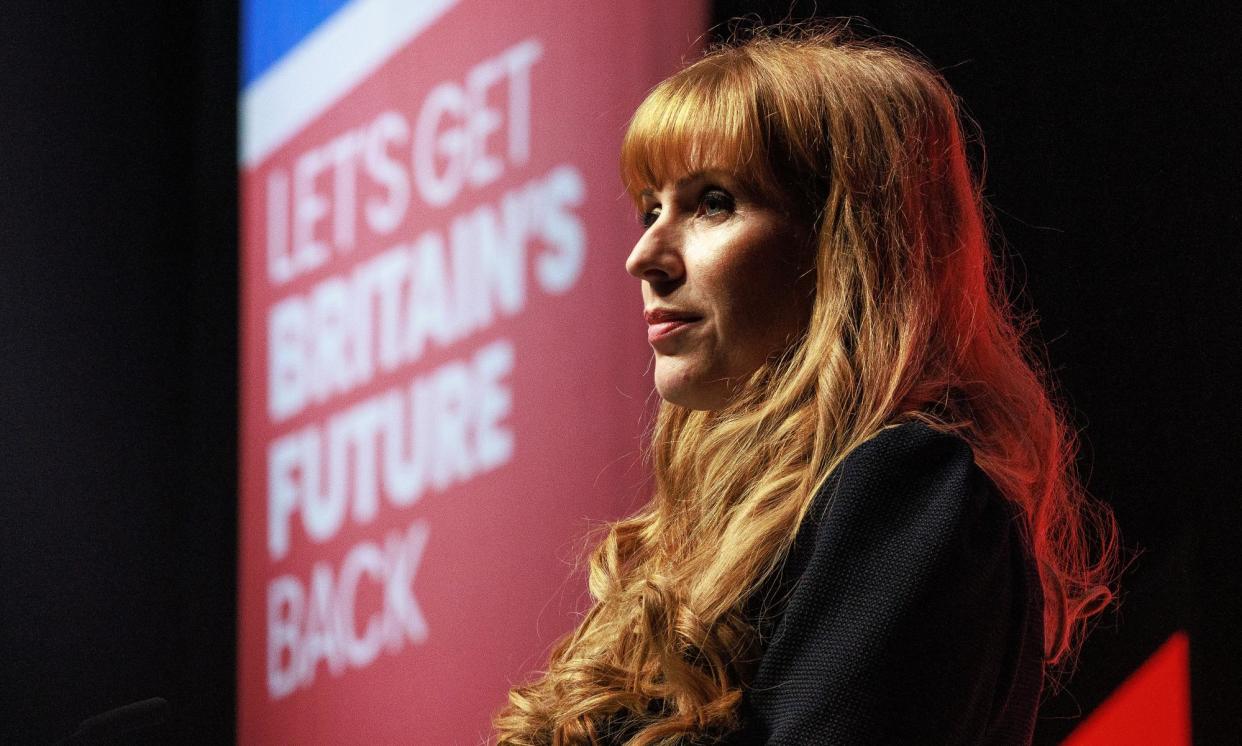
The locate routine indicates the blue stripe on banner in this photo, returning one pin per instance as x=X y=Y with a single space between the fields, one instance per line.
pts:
x=270 y=28
x=344 y=49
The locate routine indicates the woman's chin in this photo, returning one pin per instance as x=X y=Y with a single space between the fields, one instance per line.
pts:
x=677 y=385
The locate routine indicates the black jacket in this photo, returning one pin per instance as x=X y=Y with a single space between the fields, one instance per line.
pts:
x=909 y=609
x=912 y=608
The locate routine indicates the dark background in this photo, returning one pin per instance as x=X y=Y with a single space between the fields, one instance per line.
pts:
x=1112 y=166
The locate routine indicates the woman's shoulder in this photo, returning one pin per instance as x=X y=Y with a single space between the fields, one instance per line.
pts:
x=908 y=483
x=904 y=449
x=909 y=578
x=907 y=472
x=912 y=501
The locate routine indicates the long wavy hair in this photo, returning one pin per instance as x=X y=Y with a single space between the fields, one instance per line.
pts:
x=911 y=320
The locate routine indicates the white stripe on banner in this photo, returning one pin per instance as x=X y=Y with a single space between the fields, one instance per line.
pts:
x=323 y=67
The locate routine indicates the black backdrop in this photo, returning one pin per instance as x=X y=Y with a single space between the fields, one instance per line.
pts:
x=1113 y=167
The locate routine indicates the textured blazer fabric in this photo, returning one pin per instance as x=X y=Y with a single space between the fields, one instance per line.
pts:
x=909 y=610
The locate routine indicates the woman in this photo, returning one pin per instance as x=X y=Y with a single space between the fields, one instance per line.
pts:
x=866 y=526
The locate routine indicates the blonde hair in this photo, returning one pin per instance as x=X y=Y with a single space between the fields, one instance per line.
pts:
x=910 y=321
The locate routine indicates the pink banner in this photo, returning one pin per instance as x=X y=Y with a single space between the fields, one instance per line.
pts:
x=444 y=369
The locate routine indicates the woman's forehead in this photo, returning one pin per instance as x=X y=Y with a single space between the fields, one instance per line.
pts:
x=671 y=178
x=674 y=182
x=678 y=165
x=670 y=159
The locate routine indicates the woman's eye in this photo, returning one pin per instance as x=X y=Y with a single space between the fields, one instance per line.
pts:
x=649 y=217
x=716 y=202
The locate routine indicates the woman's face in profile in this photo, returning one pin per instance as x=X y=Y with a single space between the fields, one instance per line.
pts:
x=723 y=285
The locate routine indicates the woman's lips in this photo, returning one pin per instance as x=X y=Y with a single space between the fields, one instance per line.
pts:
x=666 y=330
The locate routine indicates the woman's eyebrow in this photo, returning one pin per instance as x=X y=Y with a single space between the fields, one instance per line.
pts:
x=685 y=181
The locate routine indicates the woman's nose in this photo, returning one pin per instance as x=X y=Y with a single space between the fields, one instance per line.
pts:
x=657 y=256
